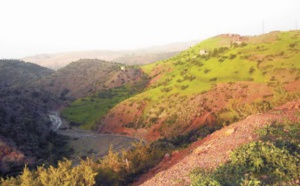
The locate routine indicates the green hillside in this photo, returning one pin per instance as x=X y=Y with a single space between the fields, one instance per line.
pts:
x=255 y=59
x=185 y=87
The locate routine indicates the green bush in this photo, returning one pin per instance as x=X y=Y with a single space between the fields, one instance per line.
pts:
x=251 y=70
x=273 y=161
x=202 y=178
x=206 y=71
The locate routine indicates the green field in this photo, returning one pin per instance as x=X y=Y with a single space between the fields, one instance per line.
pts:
x=87 y=111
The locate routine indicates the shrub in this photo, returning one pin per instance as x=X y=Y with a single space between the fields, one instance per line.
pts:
x=213 y=79
x=206 y=71
x=189 y=77
x=251 y=70
x=183 y=72
x=166 y=89
x=232 y=56
x=183 y=87
x=292 y=45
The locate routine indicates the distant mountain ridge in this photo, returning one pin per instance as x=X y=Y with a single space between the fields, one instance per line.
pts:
x=129 y=57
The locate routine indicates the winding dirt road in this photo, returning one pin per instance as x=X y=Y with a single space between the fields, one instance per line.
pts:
x=55 y=119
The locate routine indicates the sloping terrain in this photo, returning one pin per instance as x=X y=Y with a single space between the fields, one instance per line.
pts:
x=89 y=76
x=220 y=80
x=215 y=149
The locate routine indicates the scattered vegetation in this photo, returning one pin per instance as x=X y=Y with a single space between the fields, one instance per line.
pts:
x=242 y=110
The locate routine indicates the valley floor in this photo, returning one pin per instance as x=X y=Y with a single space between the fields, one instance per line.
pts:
x=91 y=144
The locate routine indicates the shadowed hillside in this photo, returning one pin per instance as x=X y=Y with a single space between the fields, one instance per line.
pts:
x=25 y=134
x=16 y=73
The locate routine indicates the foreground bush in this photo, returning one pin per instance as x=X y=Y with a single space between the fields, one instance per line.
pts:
x=273 y=161
x=64 y=174
x=114 y=169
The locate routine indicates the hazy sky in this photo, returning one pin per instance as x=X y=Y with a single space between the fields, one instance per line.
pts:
x=30 y=27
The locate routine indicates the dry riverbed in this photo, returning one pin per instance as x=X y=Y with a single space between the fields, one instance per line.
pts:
x=88 y=143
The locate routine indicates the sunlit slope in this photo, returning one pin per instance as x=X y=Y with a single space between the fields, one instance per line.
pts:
x=191 y=88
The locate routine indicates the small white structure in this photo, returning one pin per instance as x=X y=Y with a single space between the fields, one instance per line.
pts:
x=203 y=52
x=122 y=68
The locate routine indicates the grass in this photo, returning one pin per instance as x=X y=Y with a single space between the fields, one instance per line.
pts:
x=88 y=111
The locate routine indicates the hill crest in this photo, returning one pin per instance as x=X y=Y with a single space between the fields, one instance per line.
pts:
x=128 y=57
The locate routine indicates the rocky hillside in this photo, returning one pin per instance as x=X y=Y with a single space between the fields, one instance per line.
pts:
x=221 y=80
x=215 y=149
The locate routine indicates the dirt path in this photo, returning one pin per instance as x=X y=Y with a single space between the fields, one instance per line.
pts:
x=214 y=149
